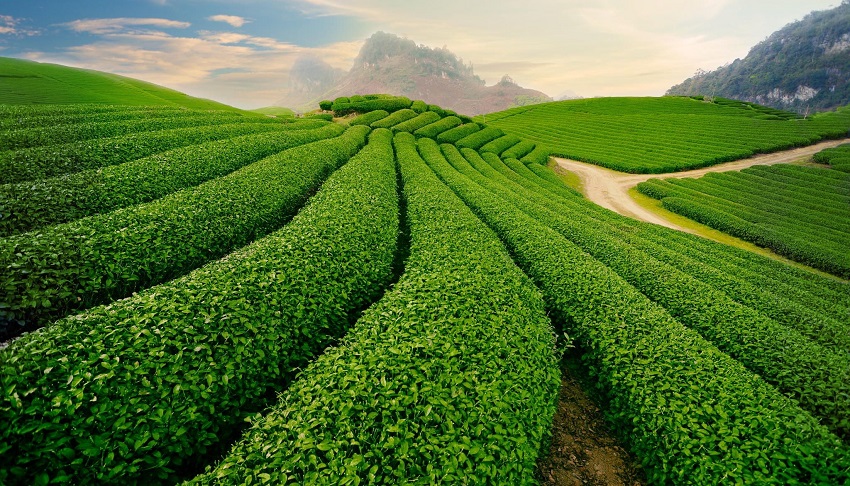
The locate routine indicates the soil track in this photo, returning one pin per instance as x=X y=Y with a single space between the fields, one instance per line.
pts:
x=610 y=189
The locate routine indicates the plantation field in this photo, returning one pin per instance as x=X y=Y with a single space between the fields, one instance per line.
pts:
x=27 y=82
x=656 y=135
x=838 y=157
x=381 y=300
x=278 y=111
x=799 y=212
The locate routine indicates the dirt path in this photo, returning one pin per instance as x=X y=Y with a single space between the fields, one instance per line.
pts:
x=610 y=189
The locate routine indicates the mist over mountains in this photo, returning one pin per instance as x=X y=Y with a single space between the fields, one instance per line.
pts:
x=394 y=65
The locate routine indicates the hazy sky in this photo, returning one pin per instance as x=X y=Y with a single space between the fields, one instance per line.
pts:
x=239 y=51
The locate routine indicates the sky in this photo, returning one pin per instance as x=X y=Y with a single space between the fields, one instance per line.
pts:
x=239 y=52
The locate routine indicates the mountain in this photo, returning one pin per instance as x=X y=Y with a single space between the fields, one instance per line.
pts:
x=393 y=65
x=29 y=82
x=805 y=66
x=310 y=78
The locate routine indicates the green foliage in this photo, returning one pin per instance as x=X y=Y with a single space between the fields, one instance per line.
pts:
x=692 y=414
x=394 y=119
x=419 y=106
x=432 y=130
x=761 y=344
x=368 y=118
x=539 y=155
x=413 y=124
x=499 y=145
x=800 y=212
x=66 y=133
x=32 y=205
x=326 y=105
x=27 y=83
x=714 y=364
x=450 y=378
x=519 y=150
x=809 y=53
x=130 y=392
x=838 y=157
x=455 y=134
x=26 y=116
x=438 y=110
x=657 y=135
x=320 y=116
x=55 y=160
x=795 y=298
x=275 y=111
x=343 y=106
x=480 y=138
x=49 y=273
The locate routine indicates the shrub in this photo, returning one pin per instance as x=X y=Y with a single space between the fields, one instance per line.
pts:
x=457 y=133
x=127 y=393
x=381 y=407
x=64 y=268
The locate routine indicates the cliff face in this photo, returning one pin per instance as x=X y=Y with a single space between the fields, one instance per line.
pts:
x=392 y=65
x=805 y=66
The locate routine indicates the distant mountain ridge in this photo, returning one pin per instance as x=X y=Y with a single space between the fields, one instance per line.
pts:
x=804 y=66
x=394 y=65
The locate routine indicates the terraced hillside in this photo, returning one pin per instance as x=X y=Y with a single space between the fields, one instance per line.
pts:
x=386 y=300
x=657 y=135
x=837 y=157
x=799 y=212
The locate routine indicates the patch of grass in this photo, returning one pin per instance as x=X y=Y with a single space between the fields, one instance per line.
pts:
x=570 y=179
x=278 y=111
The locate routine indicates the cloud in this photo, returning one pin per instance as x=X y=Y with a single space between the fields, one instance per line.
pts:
x=233 y=20
x=234 y=68
x=10 y=26
x=116 y=25
x=605 y=47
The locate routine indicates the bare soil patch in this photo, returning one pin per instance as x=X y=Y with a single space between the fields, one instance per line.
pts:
x=610 y=189
x=584 y=451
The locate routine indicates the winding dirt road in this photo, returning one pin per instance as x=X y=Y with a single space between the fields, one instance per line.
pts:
x=610 y=189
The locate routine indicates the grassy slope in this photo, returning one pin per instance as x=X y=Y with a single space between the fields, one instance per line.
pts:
x=656 y=135
x=278 y=111
x=28 y=82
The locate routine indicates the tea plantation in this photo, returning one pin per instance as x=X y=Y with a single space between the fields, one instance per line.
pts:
x=669 y=134
x=216 y=297
x=799 y=212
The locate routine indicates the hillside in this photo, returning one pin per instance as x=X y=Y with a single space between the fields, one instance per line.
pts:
x=383 y=301
x=393 y=65
x=805 y=67
x=25 y=82
x=667 y=134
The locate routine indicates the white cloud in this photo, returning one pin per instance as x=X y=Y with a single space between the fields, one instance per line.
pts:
x=605 y=47
x=10 y=26
x=116 y=25
x=233 y=68
x=233 y=20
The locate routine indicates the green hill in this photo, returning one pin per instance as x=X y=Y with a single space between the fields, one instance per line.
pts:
x=385 y=302
x=667 y=134
x=27 y=82
x=802 y=67
x=278 y=111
